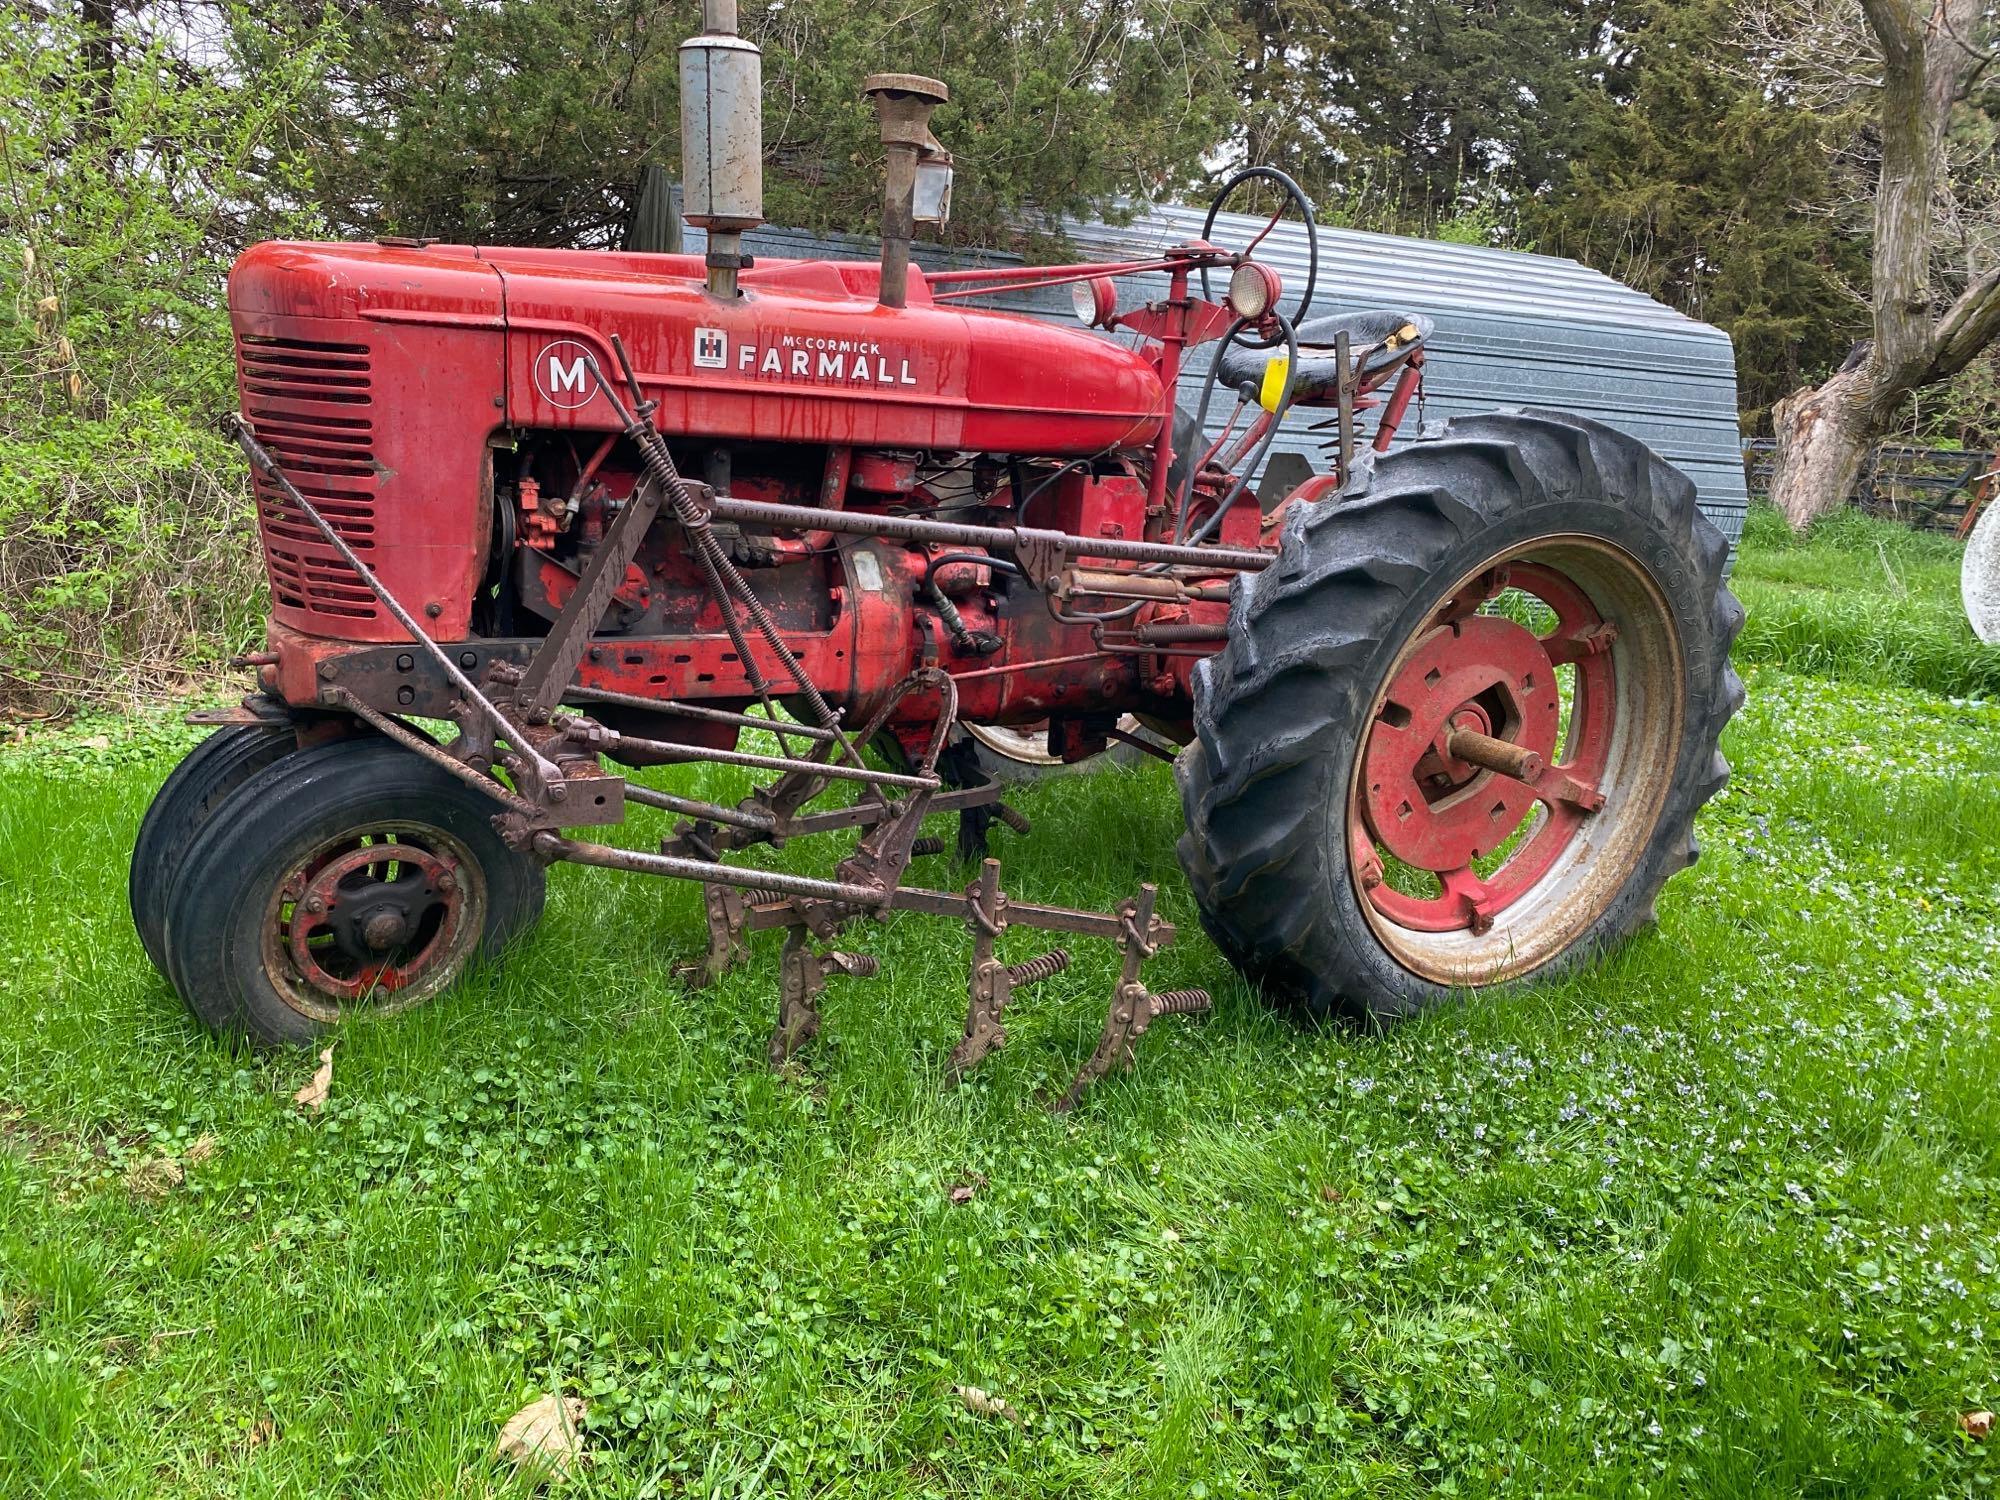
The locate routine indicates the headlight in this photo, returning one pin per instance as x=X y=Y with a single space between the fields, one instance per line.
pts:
x=1095 y=301
x=1253 y=291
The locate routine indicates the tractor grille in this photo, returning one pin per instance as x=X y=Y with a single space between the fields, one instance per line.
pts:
x=310 y=404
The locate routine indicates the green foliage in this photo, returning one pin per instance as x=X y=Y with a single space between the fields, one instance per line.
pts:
x=1688 y=180
x=1716 y=1219
x=1403 y=116
x=125 y=545
x=533 y=122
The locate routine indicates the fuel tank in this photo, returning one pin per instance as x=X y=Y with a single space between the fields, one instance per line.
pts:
x=804 y=355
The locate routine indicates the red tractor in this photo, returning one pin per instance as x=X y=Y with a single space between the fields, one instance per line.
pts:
x=1446 y=712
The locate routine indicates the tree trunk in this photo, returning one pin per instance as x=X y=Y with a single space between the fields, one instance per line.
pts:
x=1823 y=437
x=98 y=22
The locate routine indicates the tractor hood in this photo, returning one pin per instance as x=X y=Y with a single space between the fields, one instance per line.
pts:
x=804 y=355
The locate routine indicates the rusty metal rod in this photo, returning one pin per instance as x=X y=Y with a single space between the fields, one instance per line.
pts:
x=1138 y=742
x=673 y=708
x=1009 y=538
x=713 y=812
x=1029 y=666
x=611 y=741
x=554 y=846
x=1503 y=756
x=403 y=735
x=1105 y=585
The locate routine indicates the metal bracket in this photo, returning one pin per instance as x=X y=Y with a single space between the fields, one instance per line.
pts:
x=552 y=667
x=1133 y=1008
x=992 y=984
x=802 y=980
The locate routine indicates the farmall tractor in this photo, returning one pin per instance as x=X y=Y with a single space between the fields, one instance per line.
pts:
x=1444 y=713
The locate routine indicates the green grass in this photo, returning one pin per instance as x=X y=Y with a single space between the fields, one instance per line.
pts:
x=1722 y=1218
x=1865 y=600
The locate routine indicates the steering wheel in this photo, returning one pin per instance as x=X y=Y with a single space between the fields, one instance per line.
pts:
x=1298 y=199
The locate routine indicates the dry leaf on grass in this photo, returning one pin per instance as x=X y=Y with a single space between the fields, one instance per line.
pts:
x=263 y=1430
x=545 y=1434
x=1977 y=1424
x=313 y=1095
x=983 y=1404
x=201 y=1152
x=968 y=1187
x=154 y=1177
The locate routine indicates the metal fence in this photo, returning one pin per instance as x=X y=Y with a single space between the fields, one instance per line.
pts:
x=1933 y=489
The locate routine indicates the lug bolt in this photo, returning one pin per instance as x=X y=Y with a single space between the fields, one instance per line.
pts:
x=315 y=904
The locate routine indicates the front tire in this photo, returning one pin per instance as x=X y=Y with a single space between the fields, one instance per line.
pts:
x=1532 y=589
x=355 y=877
x=190 y=794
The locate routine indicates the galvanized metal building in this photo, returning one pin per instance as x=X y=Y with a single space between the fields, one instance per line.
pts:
x=1511 y=330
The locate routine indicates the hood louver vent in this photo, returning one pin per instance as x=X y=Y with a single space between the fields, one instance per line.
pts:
x=310 y=403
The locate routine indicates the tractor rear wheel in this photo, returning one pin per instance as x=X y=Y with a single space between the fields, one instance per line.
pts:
x=1461 y=728
x=354 y=877
x=192 y=791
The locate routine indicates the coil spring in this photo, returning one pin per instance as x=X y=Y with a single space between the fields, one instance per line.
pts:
x=855 y=965
x=1012 y=819
x=1181 y=1003
x=928 y=844
x=1048 y=965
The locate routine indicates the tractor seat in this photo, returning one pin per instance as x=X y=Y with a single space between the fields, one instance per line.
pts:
x=1377 y=342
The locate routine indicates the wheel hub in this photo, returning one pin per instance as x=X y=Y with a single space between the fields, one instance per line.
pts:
x=374 y=920
x=1423 y=804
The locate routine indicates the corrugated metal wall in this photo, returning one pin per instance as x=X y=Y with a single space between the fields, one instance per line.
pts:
x=1512 y=330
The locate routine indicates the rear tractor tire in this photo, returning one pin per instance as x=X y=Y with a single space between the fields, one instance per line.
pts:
x=352 y=878
x=1462 y=726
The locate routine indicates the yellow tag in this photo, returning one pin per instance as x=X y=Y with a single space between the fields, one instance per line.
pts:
x=1275 y=375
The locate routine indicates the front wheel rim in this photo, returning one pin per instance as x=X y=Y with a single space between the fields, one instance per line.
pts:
x=380 y=917
x=1556 y=667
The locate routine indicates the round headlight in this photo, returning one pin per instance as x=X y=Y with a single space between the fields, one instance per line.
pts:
x=1095 y=301
x=1253 y=291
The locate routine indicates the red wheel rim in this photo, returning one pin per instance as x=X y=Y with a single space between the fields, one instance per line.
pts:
x=1488 y=774
x=384 y=916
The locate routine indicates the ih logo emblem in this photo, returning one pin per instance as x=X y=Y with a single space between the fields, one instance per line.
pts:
x=711 y=349
x=562 y=374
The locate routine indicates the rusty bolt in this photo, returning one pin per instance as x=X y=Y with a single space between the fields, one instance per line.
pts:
x=315 y=904
x=433 y=610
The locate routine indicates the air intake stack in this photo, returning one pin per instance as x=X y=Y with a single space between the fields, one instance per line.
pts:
x=722 y=139
x=903 y=104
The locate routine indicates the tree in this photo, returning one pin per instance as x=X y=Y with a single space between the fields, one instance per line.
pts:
x=531 y=121
x=1934 y=298
x=1687 y=180
x=1401 y=114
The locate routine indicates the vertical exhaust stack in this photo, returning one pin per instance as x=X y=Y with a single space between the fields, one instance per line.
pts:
x=722 y=139
x=903 y=103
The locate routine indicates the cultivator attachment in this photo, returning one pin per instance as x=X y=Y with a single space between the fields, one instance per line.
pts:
x=735 y=911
